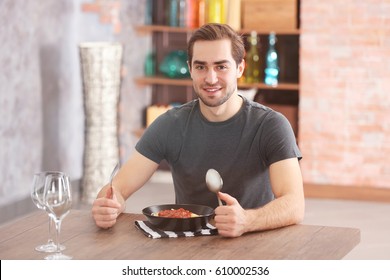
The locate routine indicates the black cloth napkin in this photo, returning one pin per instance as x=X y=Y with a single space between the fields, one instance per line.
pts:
x=150 y=231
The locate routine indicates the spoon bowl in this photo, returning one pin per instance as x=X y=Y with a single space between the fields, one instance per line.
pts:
x=214 y=182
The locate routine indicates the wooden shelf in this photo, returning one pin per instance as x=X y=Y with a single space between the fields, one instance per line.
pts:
x=171 y=29
x=280 y=86
x=142 y=81
x=166 y=38
x=162 y=28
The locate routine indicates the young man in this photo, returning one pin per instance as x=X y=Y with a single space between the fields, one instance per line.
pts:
x=250 y=145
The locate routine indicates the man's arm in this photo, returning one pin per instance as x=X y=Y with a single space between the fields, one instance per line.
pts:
x=131 y=177
x=286 y=209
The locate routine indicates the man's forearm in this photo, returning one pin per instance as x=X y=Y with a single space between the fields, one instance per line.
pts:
x=283 y=211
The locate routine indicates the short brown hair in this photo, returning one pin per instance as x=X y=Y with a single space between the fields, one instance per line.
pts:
x=216 y=31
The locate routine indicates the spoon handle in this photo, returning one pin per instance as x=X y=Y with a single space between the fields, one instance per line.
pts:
x=219 y=201
x=113 y=173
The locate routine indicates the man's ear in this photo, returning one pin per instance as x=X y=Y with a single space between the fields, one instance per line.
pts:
x=240 y=69
x=189 y=67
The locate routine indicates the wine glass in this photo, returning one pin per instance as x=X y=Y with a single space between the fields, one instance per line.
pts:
x=37 y=189
x=57 y=198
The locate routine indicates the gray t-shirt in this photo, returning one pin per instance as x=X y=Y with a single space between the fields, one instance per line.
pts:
x=241 y=149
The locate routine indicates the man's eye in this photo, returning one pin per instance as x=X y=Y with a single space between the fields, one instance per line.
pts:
x=221 y=67
x=199 y=67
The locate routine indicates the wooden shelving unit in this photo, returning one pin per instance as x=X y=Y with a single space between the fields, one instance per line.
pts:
x=143 y=81
x=170 y=29
x=167 y=90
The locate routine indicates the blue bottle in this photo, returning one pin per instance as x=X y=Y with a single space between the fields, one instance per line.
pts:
x=173 y=13
x=149 y=12
x=271 y=69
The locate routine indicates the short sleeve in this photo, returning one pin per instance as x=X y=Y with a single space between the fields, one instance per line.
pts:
x=278 y=141
x=152 y=144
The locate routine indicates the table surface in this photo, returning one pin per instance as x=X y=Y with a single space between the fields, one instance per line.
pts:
x=84 y=240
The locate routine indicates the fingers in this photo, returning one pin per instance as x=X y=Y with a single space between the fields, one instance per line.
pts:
x=229 y=227
x=229 y=219
x=106 y=202
x=226 y=215
x=229 y=200
x=105 y=212
x=105 y=221
x=228 y=233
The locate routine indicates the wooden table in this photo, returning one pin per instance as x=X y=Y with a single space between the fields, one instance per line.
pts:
x=83 y=240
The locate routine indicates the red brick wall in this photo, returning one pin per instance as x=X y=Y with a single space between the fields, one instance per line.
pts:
x=108 y=11
x=344 y=114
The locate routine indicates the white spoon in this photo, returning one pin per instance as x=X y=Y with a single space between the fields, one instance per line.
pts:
x=214 y=182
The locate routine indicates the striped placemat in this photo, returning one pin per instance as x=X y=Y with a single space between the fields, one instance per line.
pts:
x=147 y=229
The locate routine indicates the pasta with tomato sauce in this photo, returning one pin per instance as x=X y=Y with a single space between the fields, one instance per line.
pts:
x=175 y=213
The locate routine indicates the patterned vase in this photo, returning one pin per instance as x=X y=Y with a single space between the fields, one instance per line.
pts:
x=100 y=68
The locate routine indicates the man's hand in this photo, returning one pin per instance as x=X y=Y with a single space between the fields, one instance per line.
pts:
x=230 y=219
x=105 y=210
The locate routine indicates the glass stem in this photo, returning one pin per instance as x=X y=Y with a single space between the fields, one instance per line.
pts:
x=58 y=229
x=50 y=236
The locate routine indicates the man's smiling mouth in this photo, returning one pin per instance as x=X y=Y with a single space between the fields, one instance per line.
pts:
x=212 y=90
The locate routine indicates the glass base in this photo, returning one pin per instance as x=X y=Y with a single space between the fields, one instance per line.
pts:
x=58 y=256
x=49 y=248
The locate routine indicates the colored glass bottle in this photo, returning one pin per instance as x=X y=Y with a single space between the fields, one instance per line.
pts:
x=182 y=13
x=173 y=12
x=192 y=13
x=150 y=64
x=149 y=12
x=201 y=12
x=215 y=11
x=272 y=68
x=253 y=62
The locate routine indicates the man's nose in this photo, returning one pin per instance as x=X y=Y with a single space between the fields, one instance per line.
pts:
x=211 y=77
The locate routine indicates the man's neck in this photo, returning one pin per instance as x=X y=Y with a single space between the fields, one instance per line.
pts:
x=223 y=112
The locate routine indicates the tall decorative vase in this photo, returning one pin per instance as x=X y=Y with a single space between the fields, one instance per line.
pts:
x=100 y=68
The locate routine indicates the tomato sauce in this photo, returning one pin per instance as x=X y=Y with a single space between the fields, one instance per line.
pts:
x=175 y=213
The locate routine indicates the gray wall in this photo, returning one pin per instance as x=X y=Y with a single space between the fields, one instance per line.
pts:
x=41 y=101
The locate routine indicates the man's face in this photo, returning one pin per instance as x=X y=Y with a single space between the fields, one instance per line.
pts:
x=214 y=71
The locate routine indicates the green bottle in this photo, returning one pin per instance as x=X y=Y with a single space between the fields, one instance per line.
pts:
x=253 y=68
x=150 y=65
